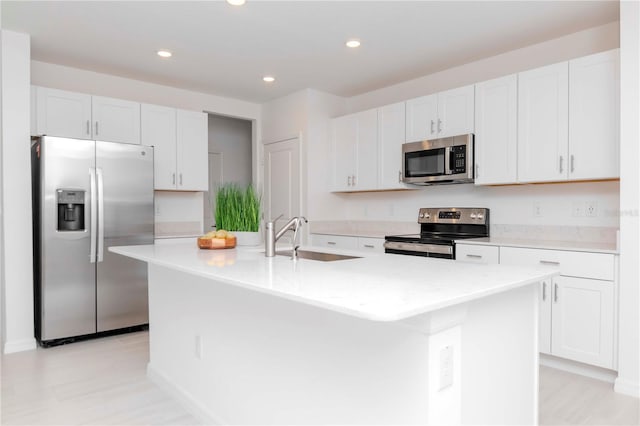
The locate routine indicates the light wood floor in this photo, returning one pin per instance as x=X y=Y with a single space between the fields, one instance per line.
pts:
x=104 y=382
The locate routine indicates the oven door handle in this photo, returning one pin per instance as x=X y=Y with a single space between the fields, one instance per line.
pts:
x=447 y=160
x=419 y=247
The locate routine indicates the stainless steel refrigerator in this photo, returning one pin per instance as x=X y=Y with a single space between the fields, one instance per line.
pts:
x=88 y=196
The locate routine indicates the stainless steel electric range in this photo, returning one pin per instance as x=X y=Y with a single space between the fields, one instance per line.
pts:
x=439 y=228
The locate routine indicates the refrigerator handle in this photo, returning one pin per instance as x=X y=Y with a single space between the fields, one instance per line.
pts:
x=100 y=215
x=94 y=215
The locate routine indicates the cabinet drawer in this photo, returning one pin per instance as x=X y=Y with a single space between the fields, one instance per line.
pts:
x=477 y=254
x=597 y=266
x=334 y=241
x=371 y=244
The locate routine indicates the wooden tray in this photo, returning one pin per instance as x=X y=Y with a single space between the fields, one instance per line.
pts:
x=216 y=243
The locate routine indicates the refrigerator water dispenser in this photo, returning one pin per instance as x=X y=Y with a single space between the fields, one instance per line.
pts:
x=70 y=210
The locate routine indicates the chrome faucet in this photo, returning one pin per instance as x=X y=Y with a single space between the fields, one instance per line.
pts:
x=272 y=236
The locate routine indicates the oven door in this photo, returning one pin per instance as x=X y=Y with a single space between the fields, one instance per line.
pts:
x=446 y=160
x=442 y=251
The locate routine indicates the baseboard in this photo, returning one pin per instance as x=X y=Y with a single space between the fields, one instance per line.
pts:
x=185 y=399
x=19 y=345
x=574 y=367
x=627 y=387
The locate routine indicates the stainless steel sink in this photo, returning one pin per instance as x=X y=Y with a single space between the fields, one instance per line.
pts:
x=316 y=255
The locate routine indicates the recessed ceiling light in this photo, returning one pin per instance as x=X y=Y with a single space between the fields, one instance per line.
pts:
x=268 y=79
x=353 y=43
x=164 y=53
x=236 y=2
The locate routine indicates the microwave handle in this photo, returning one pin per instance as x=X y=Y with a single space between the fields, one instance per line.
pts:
x=447 y=160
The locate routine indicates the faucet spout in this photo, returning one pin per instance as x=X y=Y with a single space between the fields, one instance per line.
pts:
x=272 y=236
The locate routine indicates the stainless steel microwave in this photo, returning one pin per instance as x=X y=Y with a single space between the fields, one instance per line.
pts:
x=437 y=161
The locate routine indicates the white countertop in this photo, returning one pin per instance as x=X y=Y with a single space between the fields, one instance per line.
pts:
x=586 y=246
x=378 y=287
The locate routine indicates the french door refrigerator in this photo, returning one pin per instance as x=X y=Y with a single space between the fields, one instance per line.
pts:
x=88 y=196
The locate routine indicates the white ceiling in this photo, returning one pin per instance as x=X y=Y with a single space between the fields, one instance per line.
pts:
x=225 y=50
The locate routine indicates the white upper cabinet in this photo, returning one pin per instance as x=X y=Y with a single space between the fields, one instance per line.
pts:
x=496 y=126
x=543 y=123
x=64 y=114
x=192 y=147
x=391 y=135
x=422 y=118
x=355 y=151
x=455 y=112
x=441 y=115
x=116 y=120
x=594 y=116
x=159 y=130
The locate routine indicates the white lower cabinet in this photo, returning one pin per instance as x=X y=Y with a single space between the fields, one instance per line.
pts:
x=577 y=309
x=370 y=244
x=365 y=244
x=477 y=253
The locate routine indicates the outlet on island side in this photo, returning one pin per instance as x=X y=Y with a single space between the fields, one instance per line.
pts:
x=198 y=347
x=446 y=367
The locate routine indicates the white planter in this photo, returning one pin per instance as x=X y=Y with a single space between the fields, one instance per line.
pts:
x=248 y=238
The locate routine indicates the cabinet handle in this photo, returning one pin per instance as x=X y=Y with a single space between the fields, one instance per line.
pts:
x=561 y=161
x=549 y=262
x=544 y=291
x=331 y=243
x=475 y=256
x=555 y=293
x=180 y=179
x=439 y=125
x=96 y=128
x=173 y=179
x=432 y=124
x=572 y=163
x=88 y=127
x=369 y=246
x=353 y=180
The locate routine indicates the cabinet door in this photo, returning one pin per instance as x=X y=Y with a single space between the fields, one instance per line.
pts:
x=422 y=118
x=391 y=132
x=594 y=119
x=366 y=176
x=192 y=141
x=582 y=313
x=64 y=114
x=544 y=321
x=496 y=131
x=158 y=129
x=543 y=104
x=116 y=120
x=345 y=136
x=455 y=112
x=335 y=241
x=371 y=244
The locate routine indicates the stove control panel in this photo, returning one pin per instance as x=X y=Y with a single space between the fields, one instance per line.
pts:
x=462 y=215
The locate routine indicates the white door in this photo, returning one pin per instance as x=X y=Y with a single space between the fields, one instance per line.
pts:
x=455 y=112
x=594 y=118
x=543 y=123
x=192 y=148
x=344 y=146
x=496 y=131
x=216 y=180
x=391 y=132
x=544 y=321
x=281 y=180
x=366 y=175
x=582 y=312
x=64 y=114
x=158 y=129
x=116 y=120
x=422 y=118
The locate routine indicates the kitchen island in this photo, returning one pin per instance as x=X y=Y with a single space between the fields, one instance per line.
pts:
x=383 y=339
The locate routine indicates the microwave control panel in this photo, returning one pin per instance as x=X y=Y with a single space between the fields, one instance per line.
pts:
x=458 y=159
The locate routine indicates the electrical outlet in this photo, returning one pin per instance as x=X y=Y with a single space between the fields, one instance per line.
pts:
x=446 y=367
x=157 y=210
x=537 y=209
x=591 y=209
x=577 y=209
x=198 y=347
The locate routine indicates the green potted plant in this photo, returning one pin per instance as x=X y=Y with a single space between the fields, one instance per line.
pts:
x=238 y=211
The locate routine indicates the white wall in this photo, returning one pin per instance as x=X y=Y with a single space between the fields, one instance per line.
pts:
x=629 y=327
x=16 y=194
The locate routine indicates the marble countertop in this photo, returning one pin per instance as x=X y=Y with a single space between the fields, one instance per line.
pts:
x=586 y=246
x=377 y=287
